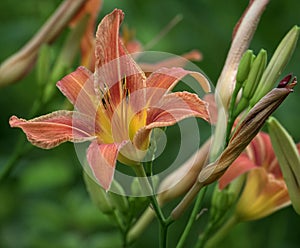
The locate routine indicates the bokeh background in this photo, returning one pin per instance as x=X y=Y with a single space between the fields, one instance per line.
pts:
x=44 y=203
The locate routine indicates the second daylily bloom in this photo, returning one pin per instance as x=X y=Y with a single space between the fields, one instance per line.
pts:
x=265 y=190
x=116 y=107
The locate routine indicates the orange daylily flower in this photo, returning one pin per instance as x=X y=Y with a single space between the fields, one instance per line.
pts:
x=116 y=107
x=265 y=190
x=91 y=8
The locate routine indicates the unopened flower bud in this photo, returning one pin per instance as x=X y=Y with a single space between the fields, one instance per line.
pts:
x=244 y=68
x=182 y=179
x=250 y=85
x=257 y=69
x=20 y=63
x=277 y=64
x=245 y=132
x=117 y=197
x=288 y=157
x=98 y=195
x=221 y=201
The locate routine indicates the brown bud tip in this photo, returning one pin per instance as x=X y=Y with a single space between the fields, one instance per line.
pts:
x=292 y=84
x=283 y=83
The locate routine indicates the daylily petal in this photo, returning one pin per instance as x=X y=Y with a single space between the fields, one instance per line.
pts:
x=240 y=166
x=53 y=129
x=262 y=196
x=212 y=108
x=259 y=153
x=165 y=79
x=115 y=68
x=79 y=89
x=175 y=107
x=174 y=61
x=171 y=109
x=102 y=160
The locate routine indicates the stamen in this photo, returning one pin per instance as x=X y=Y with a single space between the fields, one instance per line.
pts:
x=104 y=103
x=127 y=94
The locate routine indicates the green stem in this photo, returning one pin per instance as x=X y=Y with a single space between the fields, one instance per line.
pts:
x=20 y=149
x=146 y=187
x=220 y=234
x=192 y=218
x=203 y=237
x=186 y=201
x=231 y=117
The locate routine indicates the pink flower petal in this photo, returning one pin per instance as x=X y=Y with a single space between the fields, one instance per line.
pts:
x=175 y=107
x=165 y=79
x=171 y=109
x=176 y=61
x=212 y=108
x=53 y=129
x=240 y=166
x=78 y=87
x=115 y=68
x=102 y=160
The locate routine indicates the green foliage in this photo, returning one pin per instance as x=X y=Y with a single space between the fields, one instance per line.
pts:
x=44 y=202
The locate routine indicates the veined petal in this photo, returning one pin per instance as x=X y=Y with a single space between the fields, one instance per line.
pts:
x=116 y=70
x=262 y=195
x=175 y=107
x=212 y=108
x=165 y=79
x=240 y=166
x=171 y=109
x=53 y=129
x=261 y=152
x=176 y=61
x=102 y=160
x=79 y=89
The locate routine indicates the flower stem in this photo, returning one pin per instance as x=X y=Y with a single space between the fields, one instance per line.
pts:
x=147 y=188
x=192 y=218
x=20 y=149
x=231 y=116
x=186 y=201
x=219 y=235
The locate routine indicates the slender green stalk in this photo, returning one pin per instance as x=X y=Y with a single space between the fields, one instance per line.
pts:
x=218 y=236
x=147 y=188
x=192 y=218
x=231 y=118
x=20 y=149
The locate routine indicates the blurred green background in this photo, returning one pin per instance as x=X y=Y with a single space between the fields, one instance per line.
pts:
x=44 y=202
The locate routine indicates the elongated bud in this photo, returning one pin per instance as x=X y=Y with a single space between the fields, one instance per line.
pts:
x=243 y=34
x=182 y=179
x=288 y=157
x=20 y=63
x=244 y=68
x=221 y=201
x=98 y=195
x=66 y=58
x=277 y=64
x=255 y=74
x=245 y=132
x=250 y=85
